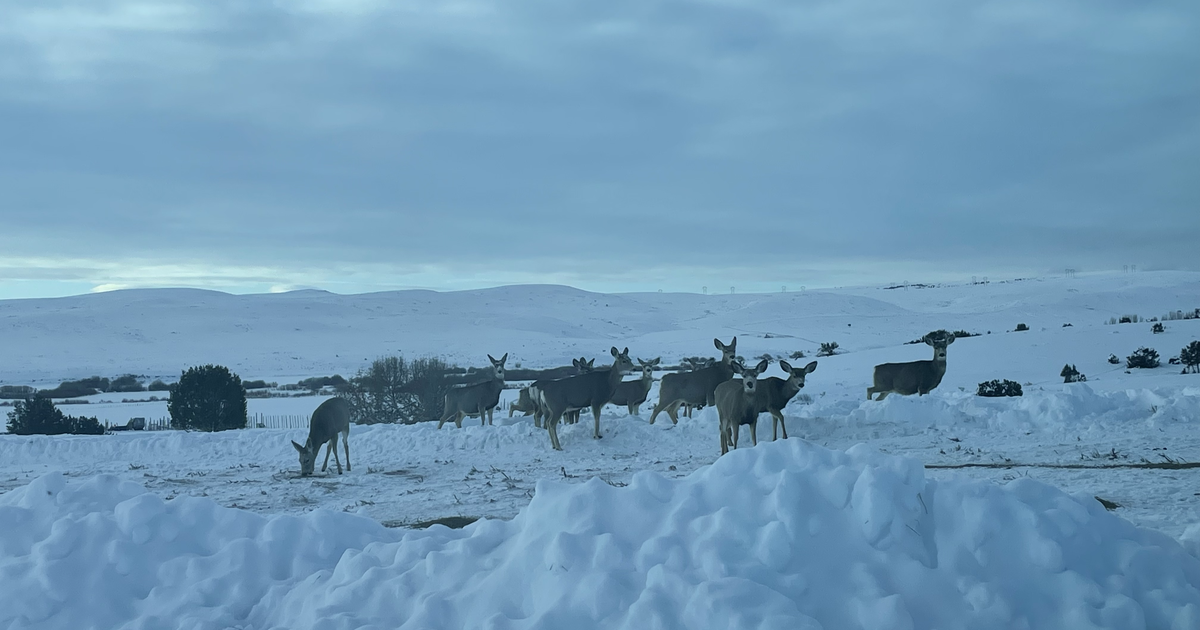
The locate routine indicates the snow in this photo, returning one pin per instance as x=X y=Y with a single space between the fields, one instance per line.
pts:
x=786 y=535
x=839 y=527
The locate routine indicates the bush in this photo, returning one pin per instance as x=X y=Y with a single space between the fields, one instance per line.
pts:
x=68 y=389
x=1022 y=327
x=799 y=354
x=16 y=392
x=1143 y=358
x=126 y=383
x=396 y=390
x=997 y=388
x=1190 y=357
x=257 y=385
x=959 y=334
x=1071 y=375
x=1112 y=358
x=316 y=383
x=208 y=398
x=158 y=386
x=39 y=416
x=828 y=349
x=1157 y=328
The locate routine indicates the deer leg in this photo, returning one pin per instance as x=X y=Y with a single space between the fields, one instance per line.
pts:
x=724 y=438
x=754 y=431
x=596 y=430
x=329 y=446
x=333 y=447
x=552 y=423
x=882 y=395
x=346 y=444
x=673 y=412
x=445 y=416
x=778 y=417
x=458 y=418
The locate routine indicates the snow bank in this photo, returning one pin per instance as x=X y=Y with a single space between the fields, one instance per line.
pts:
x=786 y=535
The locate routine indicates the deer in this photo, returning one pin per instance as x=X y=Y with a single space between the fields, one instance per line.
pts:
x=328 y=420
x=696 y=388
x=737 y=404
x=914 y=377
x=477 y=398
x=582 y=366
x=775 y=393
x=632 y=394
x=593 y=389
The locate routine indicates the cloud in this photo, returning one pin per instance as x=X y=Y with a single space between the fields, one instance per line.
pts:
x=444 y=144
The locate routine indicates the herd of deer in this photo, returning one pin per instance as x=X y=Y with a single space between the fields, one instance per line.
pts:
x=739 y=401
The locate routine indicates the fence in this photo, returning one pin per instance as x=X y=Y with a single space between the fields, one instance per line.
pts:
x=253 y=421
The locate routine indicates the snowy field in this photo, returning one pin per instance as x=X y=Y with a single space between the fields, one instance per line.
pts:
x=839 y=527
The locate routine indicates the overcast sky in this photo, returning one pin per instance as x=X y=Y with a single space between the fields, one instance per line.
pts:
x=613 y=145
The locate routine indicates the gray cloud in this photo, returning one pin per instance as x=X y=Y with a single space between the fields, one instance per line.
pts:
x=610 y=145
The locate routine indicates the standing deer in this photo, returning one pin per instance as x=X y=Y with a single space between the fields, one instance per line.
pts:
x=582 y=366
x=632 y=394
x=476 y=398
x=696 y=388
x=593 y=389
x=775 y=393
x=737 y=404
x=914 y=377
x=330 y=418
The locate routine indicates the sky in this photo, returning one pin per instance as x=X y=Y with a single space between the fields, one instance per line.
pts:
x=615 y=145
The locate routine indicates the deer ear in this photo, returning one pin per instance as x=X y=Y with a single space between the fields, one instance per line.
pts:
x=950 y=339
x=656 y=361
x=811 y=367
x=298 y=447
x=762 y=366
x=787 y=367
x=736 y=367
x=614 y=352
x=504 y=358
x=491 y=358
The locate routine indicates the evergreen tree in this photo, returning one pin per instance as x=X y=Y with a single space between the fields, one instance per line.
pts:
x=208 y=398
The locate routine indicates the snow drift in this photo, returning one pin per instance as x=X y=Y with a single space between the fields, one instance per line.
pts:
x=785 y=535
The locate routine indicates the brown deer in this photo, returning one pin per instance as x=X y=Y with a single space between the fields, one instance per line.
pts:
x=737 y=405
x=477 y=398
x=330 y=418
x=593 y=389
x=914 y=377
x=631 y=394
x=775 y=393
x=696 y=388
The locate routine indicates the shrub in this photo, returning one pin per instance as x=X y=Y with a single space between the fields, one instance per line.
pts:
x=1071 y=375
x=257 y=384
x=1125 y=319
x=208 y=398
x=16 y=392
x=1157 y=328
x=1190 y=357
x=126 y=383
x=799 y=354
x=158 y=386
x=959 y=334
x=1022 y=327
x=39 y=416
x=68 y=389
x=828 y=349
x=1142 y=358
x=766 y=356
x=396 y=390
x=1112 y=358
x=999 y=388
x=316 y=383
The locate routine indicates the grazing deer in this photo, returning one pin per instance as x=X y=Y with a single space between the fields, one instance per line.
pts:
x=330 y=418
x=695 y=388
x=737 y=404
x=632 y=394
x=525 y=404
x=775 y=393
x=914 y=377
x=476 y=398
x=593 y=389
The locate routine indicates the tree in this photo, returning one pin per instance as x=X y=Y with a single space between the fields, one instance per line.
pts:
x=208 y=398
x=158 y=386
x=37 y=416
x=1190 y=357
x=1157 y=328
x=1143 y=358
x=396 y=390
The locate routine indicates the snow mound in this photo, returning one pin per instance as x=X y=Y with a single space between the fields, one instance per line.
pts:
x=784 y=535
